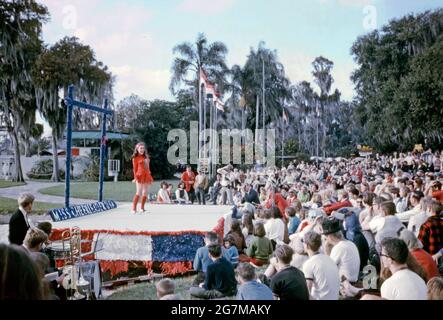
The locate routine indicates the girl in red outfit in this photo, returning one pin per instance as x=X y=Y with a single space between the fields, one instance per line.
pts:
x=142 y=175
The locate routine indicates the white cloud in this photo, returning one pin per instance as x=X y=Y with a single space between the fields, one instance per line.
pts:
x=205 y=7
x=119 y=35
x=145 y=82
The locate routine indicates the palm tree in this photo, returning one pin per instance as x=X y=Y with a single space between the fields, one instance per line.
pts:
x=192 y=57
x=67 y=62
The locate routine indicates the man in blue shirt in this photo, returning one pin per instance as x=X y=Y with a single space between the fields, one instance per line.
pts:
x=249 y=288
x=219 y=278
x=202 y=259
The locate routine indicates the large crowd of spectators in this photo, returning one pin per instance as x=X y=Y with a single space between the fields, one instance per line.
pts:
x=364 y=228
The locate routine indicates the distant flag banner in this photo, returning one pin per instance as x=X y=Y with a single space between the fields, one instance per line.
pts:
x=210 y=89
x=285 y=117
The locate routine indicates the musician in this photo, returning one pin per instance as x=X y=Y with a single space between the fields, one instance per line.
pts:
x=142 y=176
x=188 y=178
x=19 y=222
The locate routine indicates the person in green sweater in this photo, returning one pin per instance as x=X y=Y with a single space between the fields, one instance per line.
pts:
x=260 y=248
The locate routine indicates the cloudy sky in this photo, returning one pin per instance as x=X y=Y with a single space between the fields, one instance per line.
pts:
x=135 y=37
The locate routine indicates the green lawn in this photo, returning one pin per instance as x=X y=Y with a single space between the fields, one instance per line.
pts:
x=8 y=206
x=118 y=191
x=147 y=291
x=7 y=184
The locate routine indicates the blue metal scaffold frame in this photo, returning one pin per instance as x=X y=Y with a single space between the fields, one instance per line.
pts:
x=71 y=103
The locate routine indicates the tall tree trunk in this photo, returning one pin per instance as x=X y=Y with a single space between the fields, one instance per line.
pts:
x=55 y=170
x=27 y=146
x=18 y=177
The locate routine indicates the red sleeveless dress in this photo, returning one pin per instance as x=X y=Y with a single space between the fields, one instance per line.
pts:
x=142 y=173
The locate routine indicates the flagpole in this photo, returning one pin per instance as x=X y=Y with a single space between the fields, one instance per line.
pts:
x=204 y=124
x=264 y=113
x=283 y=139
x=199 y=112
x=211 y=138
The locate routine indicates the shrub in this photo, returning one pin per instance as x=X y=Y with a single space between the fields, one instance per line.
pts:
x=42 y=169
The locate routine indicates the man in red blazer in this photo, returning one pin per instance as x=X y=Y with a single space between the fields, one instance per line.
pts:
x=188 y=178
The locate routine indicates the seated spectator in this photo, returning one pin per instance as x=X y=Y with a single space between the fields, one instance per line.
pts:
x=34 y=240
x=248 y=227
x=219 y=279
x=166 y=290
x=431 y=232
x=275 y=227
x=401 y=203
x=20 y=278
x=250 y=195
x=46 y=227
x=404 y=284
x=352 y=231
x=341 y=203
x=276 y=200
x=300 y=255
x=20 y=222
x=249 y=288
x=320 y=271
x=229 y=244
x=260 y=248
x=422 y=257
x=435 y=288
x=181 y=195
x=415 y=198
x=344 y=252
x=387 y=224
x=163 y=194
x=435 y=191
x=288 y=283
x=294 y=221
x=237 y=234
x=417 y=220
x=292 y=198
x=202 y=259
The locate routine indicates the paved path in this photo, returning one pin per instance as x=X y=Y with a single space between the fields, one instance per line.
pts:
x=34 y=187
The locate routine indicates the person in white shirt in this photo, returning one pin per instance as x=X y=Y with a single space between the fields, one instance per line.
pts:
x=275 y=227
x=417 y=220
x=181 y=195
x=415 y=198
x=321 y=272
x=401 y=202
x=404 y=284
x=344 y=252
x=163 y=194
x=386 y=225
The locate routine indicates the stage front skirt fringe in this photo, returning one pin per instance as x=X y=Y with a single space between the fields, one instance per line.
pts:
x=171 y=253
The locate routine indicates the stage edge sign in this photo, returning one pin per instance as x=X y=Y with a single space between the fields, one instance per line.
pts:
x=73 y=212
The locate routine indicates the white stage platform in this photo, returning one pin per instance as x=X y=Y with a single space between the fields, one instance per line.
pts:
x=159 y=217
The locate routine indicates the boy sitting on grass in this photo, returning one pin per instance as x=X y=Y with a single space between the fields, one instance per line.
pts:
x=219 y=279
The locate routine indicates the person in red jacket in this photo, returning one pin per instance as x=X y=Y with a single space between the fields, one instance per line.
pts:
x=276 y=199
x=342 y=202
x=142 y=176
x=188 y=178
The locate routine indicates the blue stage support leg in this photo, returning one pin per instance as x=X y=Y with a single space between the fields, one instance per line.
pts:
x=68 y=147
x=102 y=154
